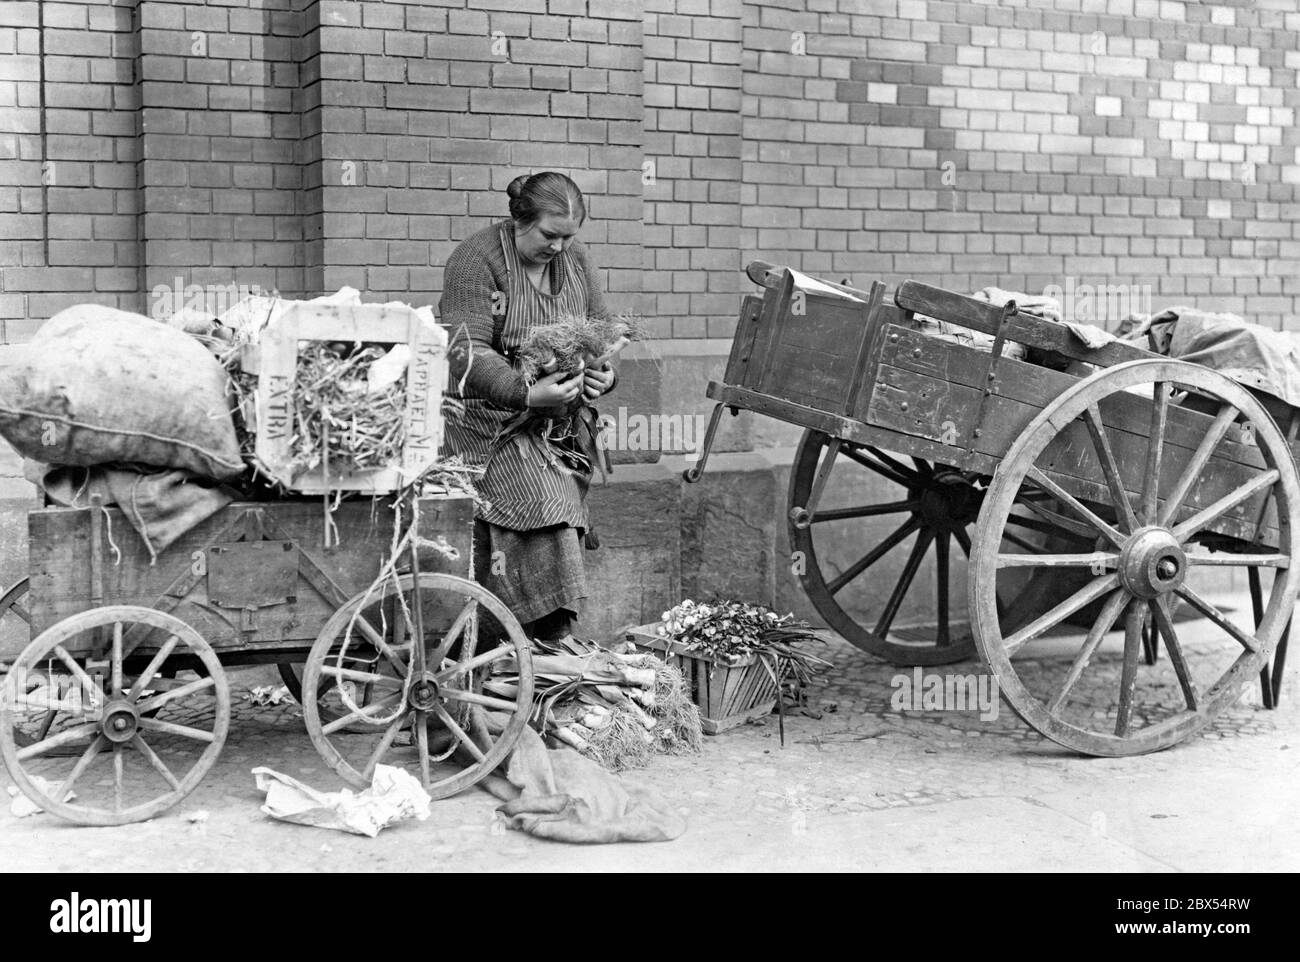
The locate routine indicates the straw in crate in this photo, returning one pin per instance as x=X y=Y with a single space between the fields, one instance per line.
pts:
x=347 y=396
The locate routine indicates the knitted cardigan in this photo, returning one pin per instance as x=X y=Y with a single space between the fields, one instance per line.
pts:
x=475 y=272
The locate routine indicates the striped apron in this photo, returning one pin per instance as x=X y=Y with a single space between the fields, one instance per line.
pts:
x=538 y=477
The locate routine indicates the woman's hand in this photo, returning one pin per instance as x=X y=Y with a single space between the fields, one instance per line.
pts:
x=597 y=381
x=554 y=390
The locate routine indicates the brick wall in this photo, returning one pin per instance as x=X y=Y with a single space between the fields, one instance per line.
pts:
x=429 y=110
x=302 y=145
x=692 y=167
x=1119 y=142
x=222 y=123
x=68 y=150
x=305 y=144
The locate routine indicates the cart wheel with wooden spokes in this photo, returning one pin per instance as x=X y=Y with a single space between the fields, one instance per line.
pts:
x=914 y=527
x=14 y=615
x=1200 y=483
x=103 y=672
x=15 y=623
x=399 y=703
x=328 y=704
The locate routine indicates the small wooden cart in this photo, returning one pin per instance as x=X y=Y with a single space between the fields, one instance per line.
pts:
x=1136 y=482
x=126 y=659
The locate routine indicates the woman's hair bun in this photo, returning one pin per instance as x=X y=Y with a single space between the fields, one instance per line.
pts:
x=545 y=192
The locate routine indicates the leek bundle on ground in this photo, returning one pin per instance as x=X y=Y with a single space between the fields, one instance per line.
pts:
x=619 y=709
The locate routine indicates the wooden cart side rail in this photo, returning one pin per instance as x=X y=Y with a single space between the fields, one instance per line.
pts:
x=925 y=387
x=917 y=298
x=850 y=429
x=61 y=564
x=910 y=360
x=868 y=373
x=914 y=297
x=1077 y=472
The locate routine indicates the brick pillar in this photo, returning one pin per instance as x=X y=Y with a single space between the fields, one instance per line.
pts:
x=693 y=152
x=68 y=204
x=426 y=113
x=223 y=121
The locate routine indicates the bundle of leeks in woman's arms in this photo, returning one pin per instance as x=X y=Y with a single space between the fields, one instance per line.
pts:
x=568 y=347
x=572 y=343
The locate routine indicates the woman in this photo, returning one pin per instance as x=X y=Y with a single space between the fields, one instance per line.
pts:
x=500 y=283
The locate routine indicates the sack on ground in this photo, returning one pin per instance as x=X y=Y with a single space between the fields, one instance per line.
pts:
x=97 y=385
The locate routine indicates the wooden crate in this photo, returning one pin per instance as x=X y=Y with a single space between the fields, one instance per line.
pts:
x=274 y=360
x=729 y=694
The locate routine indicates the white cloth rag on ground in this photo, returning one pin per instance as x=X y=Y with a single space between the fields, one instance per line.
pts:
x=393 y=796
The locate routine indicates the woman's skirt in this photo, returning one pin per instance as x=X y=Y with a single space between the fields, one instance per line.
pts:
x=532 y=572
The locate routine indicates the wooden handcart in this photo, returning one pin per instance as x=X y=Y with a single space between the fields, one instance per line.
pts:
x=1104 y=487
x=119 y=704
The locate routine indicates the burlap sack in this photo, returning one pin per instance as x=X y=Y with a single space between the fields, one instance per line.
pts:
x=97 y=385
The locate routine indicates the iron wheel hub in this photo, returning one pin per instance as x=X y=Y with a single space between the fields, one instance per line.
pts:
x=1152 y=563
x=120 y=723
x=948 y=502
x=424 y=693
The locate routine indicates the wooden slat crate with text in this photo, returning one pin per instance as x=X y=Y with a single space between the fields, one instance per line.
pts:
x=274 y=358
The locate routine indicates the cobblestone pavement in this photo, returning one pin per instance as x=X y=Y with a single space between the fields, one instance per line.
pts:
x=861 y=787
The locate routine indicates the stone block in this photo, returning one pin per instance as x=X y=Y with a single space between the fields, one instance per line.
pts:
x=636 y=573
x=628 y=409
x=728 y=532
